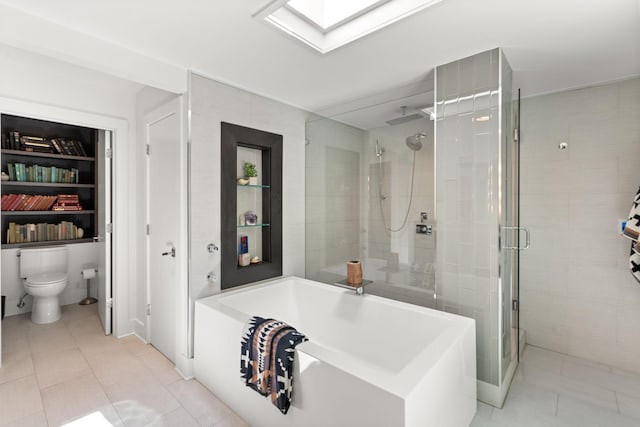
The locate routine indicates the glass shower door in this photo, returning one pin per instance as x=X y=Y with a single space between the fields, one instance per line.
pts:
x=509 y=221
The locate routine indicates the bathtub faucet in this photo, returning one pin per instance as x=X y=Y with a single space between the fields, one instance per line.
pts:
x=359 y=289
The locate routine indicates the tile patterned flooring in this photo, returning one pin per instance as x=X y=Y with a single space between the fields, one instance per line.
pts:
x=555 y=390
x=54 y=374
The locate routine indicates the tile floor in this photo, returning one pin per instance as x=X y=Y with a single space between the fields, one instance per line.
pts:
x=57 y=373
x=555 y=390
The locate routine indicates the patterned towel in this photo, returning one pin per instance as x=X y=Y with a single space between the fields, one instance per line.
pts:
x=632 y=230
x=267 y=350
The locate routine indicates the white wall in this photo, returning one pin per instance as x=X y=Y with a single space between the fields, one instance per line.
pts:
x=46 y=81
x=41 y=79
x=84 y=50
x=212 y=103
x=577 y=296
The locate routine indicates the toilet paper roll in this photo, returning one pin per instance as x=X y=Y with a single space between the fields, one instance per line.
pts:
x=89 y=273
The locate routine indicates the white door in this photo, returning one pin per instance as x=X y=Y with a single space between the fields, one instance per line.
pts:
x=103 y=276
x=163 y=134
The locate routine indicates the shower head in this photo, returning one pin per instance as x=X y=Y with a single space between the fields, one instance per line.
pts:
x=415 y=141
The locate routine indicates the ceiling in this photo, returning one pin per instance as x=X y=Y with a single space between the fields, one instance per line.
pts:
x=551 y=45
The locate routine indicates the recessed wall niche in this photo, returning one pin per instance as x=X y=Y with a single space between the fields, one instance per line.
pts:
x=251 y=209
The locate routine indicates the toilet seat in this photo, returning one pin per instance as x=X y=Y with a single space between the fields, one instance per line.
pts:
x=46 y=279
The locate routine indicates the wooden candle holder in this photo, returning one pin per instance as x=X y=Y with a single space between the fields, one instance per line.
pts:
x=354 y=273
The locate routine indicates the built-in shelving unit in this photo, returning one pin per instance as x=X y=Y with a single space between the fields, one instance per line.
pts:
x=264 y=200
x=83 y=166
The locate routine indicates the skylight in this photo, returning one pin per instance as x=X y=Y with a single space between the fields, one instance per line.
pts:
x=327 y=13
x=326 y=25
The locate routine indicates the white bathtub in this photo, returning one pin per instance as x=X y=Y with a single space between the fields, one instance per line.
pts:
x=369 y=361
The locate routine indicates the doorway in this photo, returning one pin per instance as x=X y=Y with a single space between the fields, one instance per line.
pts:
x=163 y=132
x=112 y=258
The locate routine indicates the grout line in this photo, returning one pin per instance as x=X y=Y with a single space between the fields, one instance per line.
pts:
x=557 y=403
x=615 y=394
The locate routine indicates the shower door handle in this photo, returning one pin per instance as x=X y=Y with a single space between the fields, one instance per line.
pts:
x=527 y=238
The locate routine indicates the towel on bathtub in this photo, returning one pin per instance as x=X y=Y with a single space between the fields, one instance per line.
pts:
x=632 y=231
x=266 y=359
x=632 y=228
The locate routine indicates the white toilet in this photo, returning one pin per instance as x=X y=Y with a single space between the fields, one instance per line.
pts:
x=44 y=274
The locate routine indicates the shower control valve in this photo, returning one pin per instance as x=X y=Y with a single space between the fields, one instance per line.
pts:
x=424 y=229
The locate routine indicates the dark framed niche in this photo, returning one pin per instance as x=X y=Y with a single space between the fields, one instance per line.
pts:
x=268 y=147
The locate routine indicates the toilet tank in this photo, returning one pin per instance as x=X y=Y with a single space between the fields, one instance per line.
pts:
x=45 y=259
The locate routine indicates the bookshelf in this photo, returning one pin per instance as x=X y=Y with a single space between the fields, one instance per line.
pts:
x=49 y=174
x=241 y=144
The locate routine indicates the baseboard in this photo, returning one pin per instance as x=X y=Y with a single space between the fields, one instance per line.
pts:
x=139 y=330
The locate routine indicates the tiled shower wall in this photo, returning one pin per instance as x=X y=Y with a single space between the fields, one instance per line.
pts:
x=403 y=246
x=577 y=296
x=467 y=162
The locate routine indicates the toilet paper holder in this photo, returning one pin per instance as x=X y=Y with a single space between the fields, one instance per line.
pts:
x=88 y=274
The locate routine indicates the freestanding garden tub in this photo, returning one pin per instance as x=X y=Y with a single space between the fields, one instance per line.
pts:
x=369 y=361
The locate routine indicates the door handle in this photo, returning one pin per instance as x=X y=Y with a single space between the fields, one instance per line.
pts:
x=171 y=252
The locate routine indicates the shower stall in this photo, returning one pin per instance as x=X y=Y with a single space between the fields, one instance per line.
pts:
x=429 y=204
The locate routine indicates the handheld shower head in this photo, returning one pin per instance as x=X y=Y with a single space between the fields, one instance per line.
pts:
x=414 y=142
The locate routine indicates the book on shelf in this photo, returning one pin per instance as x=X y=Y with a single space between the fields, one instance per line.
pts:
x=31 y=203
x=43 y=203
x=49 y=174
x=26 y=202
x=67 y=202
x=11 y=171
x=35 y=144
x=7 y=200
x=56 y=146
x=68 y=198
x=67 y=148
x=14 y=140
x=78 y=148
x=18 y=202
x=41 y=232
